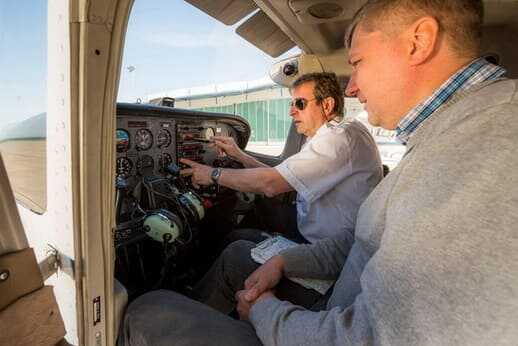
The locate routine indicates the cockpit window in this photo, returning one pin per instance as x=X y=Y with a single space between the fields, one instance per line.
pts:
x=175 y=50
x=391 y=151
x=23 y=99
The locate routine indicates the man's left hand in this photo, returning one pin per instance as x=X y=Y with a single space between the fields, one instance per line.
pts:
x=200 y=174
x=243 y=305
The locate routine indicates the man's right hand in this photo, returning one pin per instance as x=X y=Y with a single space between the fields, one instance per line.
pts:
x=228 y=146
x=264 y=278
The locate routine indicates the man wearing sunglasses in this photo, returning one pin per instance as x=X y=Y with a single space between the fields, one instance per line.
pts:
x=434 y=259
x=336 y=169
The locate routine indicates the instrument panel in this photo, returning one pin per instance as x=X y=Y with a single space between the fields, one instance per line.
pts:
x=144 y=145
x=157 y=209
x=147 y=145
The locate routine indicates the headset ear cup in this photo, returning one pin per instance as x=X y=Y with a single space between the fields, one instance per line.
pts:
x=163 y=226
x=193 y=204
x=174 y=218
x=189 y=207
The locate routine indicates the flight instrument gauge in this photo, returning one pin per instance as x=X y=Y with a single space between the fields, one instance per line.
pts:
x=145 y=161
x=164 y=160
x=124 y=166
x=163 y=139
x=208 y=133
x=123 y=140
x=143 y=139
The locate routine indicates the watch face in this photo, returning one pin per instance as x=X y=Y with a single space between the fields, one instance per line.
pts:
x=216 y=172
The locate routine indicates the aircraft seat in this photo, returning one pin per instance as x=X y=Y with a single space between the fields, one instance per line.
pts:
x=120 y=296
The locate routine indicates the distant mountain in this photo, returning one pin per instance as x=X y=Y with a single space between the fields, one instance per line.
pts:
x=33 y=127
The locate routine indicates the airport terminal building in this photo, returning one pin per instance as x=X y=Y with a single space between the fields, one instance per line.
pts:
x=266 y=107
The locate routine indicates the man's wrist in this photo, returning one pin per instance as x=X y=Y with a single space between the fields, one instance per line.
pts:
x=215 y=175
x=279 y=262
x=262 y=297
x=242 y=156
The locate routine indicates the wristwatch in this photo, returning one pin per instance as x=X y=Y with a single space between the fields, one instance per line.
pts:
x=215 y=174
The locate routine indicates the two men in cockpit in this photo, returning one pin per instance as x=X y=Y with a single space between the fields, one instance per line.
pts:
x=433 y=259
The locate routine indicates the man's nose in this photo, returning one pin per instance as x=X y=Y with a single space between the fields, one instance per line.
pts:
x=351 y=90
x=293 y=111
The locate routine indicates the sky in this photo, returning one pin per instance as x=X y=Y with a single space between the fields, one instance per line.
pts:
x=169 y=45
x=23 y=59
x=174 y=45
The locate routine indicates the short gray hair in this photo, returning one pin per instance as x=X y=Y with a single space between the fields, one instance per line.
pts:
x=460 y=20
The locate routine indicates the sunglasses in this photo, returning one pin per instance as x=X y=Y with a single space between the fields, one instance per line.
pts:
x=300 y=103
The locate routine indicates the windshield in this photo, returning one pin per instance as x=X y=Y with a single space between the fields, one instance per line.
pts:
x=175 y=50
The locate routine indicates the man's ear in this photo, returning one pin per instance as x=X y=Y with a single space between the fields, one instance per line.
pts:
x=422 y=39
x=328 y=105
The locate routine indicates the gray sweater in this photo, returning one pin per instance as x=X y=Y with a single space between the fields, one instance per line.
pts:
x=434 y=259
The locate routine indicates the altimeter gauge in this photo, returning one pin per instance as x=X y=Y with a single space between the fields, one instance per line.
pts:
x=163 y=139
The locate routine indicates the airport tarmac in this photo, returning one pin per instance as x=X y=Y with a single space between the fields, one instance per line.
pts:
x=25 y=162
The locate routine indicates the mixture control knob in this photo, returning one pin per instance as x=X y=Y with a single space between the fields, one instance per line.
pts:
x=173 y=169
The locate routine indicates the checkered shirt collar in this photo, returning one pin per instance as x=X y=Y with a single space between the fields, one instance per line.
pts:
x=478 y=71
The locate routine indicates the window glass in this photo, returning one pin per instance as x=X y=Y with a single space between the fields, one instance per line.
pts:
x=173 y=49
x=23 y=96
x=391 y=151
x=268 y=119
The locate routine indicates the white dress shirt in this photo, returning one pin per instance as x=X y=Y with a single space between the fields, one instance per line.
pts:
x=333 y=173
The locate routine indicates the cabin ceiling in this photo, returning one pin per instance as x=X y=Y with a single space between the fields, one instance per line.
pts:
x=317 y=26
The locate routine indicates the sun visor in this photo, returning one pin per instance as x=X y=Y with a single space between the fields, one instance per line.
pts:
x=263 y=33
x=228 y=12
x=286 y=71
x=324 y=11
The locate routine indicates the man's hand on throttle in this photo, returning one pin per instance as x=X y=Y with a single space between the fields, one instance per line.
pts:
x=200 y=174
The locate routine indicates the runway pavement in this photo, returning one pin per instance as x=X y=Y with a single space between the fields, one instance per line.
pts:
x=25 y=161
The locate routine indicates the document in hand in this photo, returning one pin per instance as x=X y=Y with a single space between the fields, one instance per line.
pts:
x=271 y=247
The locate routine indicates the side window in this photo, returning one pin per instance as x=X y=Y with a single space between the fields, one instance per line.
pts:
x=175 y=50
x=265 y=110
x=23 y=98
x=391 y=151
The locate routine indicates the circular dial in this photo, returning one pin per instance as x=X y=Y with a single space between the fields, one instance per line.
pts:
x=145 y=161
x=143 y=139
x=124 y=166
x=123 y=140
x=208 y=133
x=164 y=160
x=163 y=139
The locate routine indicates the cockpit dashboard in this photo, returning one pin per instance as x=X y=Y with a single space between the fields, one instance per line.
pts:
x=163 y=221
x=150 y=138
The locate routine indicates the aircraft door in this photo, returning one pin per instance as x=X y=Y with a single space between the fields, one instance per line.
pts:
x=29 y=314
